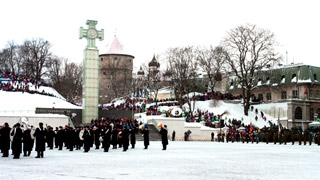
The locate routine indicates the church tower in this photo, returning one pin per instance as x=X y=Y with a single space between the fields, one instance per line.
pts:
x=154 y=66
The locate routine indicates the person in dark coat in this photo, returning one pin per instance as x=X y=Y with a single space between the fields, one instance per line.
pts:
x=173 y=135
x=78 y=140
x=114 y=139
x=145 y=133
x=106 y=138
x=5 y=140
x=87 y=139
x=50 y=136
x=72 y=138
x=27 y=142
x=40 y=136
x=133 y=136
x=125 y=138
x=56 y=142
x=164 y=137
x=60 y=137
x=96 y=134
x=212 y=136
x=16 y=141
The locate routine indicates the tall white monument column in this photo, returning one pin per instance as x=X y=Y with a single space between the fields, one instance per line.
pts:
x=90 y=89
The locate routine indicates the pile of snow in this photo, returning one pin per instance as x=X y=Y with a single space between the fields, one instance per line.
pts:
x=25 y=103
x=235 y=111
x=116 y=102
x=193 y=94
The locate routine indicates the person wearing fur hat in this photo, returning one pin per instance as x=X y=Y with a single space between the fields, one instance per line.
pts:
x=16 y=141
x=164 y=136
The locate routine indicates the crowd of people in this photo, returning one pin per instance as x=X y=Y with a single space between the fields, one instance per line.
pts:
x=105 y=133
x=270 y=134
x=18 y=83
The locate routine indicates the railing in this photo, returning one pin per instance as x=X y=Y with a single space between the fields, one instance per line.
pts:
x=154 y=122
x=17 y=111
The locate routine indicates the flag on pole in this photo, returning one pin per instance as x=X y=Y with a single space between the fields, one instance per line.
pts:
x=302 y=126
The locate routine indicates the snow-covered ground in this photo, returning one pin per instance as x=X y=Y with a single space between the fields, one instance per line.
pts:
x=182 y=160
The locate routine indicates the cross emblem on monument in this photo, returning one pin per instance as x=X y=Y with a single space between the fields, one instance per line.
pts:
x=91 y=34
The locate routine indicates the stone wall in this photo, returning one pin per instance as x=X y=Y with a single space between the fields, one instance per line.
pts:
x=115 y=76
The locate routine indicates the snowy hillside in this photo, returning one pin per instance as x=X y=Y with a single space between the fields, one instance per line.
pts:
x=25 y=103
x=234 y=111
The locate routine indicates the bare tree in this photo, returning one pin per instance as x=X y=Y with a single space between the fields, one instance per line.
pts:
x=37 y=57
x=211 y=61
x=10 y=58
x=182 y=65
x=249 y=49
x=66 y=78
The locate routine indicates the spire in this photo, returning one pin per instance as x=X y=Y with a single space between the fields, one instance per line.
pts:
x=116 y=47
x=140 y=72
x=154 y=62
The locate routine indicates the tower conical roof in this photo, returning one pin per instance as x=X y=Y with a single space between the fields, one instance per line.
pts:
x=116 y=47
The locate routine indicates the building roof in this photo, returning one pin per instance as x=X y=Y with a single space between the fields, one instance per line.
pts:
x=117 y=48
x=154 y=62
x=140 y=72
x=286 y=75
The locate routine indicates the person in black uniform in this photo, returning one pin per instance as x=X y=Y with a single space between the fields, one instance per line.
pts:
x=59 y=137
x=174 y=135
x=164 y=137
x=106 y=138
x=133 y=131
x=27 y=142
x=50 y=136
x=87 y=139
x=145 y=133
x=125 y=138
x=5 y=140
x=17 y=141
x=114 y=140
x=96 y=133
x=40 y=136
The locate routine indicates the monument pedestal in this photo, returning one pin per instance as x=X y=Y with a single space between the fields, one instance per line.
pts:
x=90 y=85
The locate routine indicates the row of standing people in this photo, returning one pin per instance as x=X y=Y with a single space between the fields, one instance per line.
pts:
x=110 y=135
x=17 y=136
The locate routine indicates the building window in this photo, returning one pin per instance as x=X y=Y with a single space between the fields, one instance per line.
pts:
x=268 y=80
x=298 y=113
x=310 y=93
x=294 y=93
x=283 y=79
x=311 y=114
x=269 y=96
x=318 y=112
x=294 y=78
x=108 y=86
x=104 y=73
x=101 y=59
x=315 y=77
x=283 y=94
x=318 y=94
x=260 y=97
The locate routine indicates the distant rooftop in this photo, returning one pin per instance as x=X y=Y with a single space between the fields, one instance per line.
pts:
x=116 y=47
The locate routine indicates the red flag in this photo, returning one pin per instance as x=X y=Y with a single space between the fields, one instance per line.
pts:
x=306 y=91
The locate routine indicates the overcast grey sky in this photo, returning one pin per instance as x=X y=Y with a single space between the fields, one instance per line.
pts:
x=146 y=27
